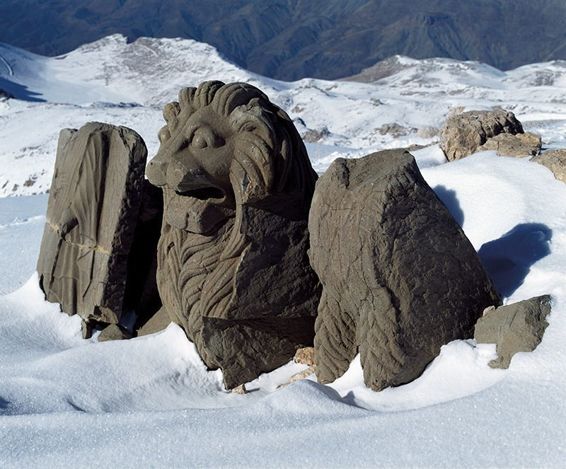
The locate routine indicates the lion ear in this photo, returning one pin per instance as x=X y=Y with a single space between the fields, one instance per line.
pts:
x=171 y=112
x=250 y=181
x=253 y=165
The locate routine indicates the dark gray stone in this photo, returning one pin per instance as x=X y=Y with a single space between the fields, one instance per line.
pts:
x=518 y=327
x=91 y=260
x=233 y=265
x=400 y=279
x=464 y=133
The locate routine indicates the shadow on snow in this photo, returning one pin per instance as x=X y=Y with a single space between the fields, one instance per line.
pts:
x=509 y=258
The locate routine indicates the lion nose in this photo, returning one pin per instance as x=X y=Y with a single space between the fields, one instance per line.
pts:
x=181 y=177
x=156 y=172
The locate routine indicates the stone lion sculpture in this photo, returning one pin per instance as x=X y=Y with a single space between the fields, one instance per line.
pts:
x=233 y=269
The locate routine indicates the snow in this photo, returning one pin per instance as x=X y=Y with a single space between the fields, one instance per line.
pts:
x=65 y=401
x=150 y=402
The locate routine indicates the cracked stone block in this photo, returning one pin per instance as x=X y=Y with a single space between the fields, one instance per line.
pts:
x=99 y=209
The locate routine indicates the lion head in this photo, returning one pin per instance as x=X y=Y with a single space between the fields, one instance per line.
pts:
x=237 y=186
x=227 y=145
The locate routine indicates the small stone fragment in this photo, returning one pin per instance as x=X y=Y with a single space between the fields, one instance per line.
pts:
x=114 y=332
x=555 y=160
x=241 y=389
x=305 y=356
x=517 y=327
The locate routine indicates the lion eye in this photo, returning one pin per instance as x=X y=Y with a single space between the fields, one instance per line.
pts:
x=199 y=141
x=204 y=138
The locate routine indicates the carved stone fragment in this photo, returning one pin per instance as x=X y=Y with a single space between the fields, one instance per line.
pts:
x=233 y=269
x=517 y=327
x=400 y=278
x=101 y=215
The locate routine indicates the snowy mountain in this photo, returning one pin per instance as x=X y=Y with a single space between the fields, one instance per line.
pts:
x=149 y=401
x=127 y=83
x=292 y=39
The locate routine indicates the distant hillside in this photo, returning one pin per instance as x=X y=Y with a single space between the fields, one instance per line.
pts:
x=403 y=103
x=290 y=39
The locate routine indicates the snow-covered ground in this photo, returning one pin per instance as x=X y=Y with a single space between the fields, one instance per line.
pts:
x=149 y=402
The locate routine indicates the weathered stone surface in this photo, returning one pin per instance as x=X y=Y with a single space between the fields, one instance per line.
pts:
x=525 y=144
x=88 y=262
x=555 y=160
x=233 y=269
x=464 y=133
x=400 y=278
x=517 y=327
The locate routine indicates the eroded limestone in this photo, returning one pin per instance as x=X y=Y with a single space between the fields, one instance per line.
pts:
x=400 y=279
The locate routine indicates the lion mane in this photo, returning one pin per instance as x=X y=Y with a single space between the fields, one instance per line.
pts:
x=232 y=258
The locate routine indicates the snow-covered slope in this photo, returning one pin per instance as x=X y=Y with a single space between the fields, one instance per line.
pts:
x=149 y=402
x=68 y=402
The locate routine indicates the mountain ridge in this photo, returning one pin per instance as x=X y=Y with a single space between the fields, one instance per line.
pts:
x=292 y=39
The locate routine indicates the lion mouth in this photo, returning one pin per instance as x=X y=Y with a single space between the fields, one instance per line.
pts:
x=203 y=193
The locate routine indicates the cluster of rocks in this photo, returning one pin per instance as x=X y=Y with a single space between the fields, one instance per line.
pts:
x=235 y=240
x=465 y=133
x=469 y=132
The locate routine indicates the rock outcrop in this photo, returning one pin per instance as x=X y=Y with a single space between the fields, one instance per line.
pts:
x=233 y=265
x=464 y=133
x=521 y=145
x=400 y=278
x=102 y=227
x=517 y=327
x=555 y=160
